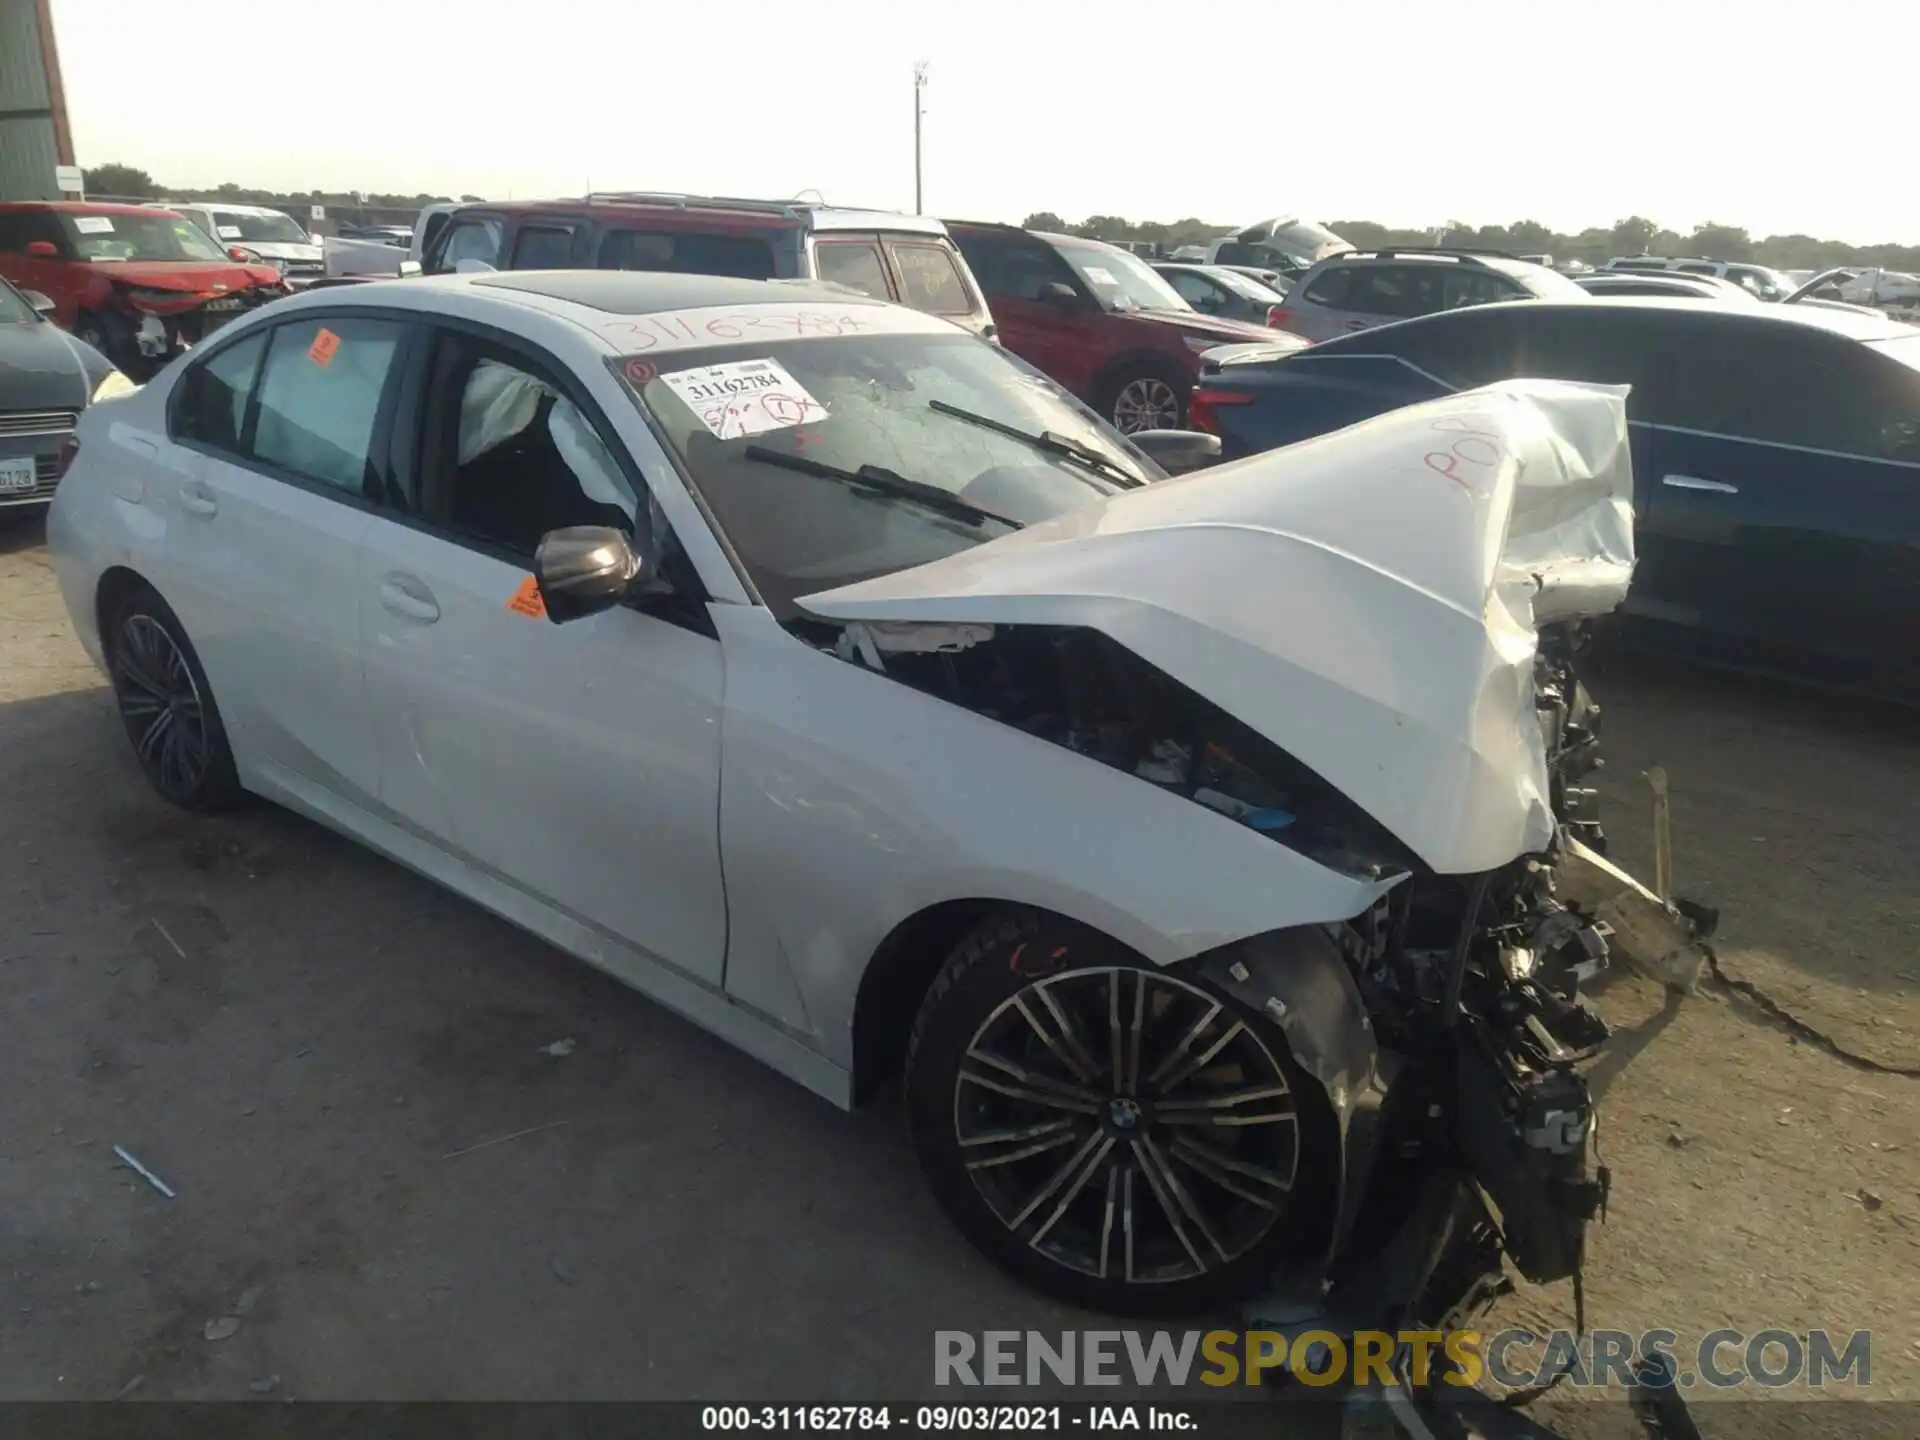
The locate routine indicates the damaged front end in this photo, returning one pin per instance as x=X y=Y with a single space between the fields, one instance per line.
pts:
x=151 y=324
x=1366 y=649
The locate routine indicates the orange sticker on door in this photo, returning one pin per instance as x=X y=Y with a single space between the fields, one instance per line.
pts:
x=526 y=600
x=324 y=345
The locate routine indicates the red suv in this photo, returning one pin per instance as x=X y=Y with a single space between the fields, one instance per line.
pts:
x=135 y=283
x=908 y=259
x=1099 y=320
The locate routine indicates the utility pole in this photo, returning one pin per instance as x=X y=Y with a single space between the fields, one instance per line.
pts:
x=919 y=85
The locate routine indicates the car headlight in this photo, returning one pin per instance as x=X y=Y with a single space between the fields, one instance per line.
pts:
x=112 y=384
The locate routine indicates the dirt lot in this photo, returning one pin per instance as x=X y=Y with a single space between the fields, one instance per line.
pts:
x=298 y=1035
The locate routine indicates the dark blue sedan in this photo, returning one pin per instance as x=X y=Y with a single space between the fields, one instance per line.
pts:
x=1776 y=450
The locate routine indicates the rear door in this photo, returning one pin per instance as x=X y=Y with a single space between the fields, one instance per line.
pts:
x=277 y=466
x=1779 y=477
x=931 y=276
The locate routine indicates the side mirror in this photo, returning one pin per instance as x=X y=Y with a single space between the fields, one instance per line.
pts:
x=42 y=305
x=1178 y=451
x=584 y=569
x=45 y=249
x=1058 y=292
x=409 y=269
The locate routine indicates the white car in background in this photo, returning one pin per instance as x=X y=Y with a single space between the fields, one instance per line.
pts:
x=255 y=233
x=836 y=679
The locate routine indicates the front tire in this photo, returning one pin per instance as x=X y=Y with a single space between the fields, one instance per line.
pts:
x=167 y=706
x=1115 y=1134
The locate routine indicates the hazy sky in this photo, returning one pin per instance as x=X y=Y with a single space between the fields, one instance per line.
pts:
x=1779 y=117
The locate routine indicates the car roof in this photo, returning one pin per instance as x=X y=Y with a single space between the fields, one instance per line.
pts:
x=229 y=207
x=647 y=292
x=780 y=213
x=88 y=207
x=1844 y=324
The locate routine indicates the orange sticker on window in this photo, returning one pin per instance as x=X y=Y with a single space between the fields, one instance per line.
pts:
x=323 y=347
x=526 y=600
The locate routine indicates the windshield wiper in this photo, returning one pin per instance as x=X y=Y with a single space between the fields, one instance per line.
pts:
x=1049 y=441
x=882 y=481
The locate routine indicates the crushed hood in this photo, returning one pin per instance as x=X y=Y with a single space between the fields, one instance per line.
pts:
x=1367 y=600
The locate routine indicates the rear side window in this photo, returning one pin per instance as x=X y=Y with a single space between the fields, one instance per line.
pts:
x=211 y=404
x=320 y=396
x=854 y=263
x=745 y=257
x=930 y=279
x=542 y=247
x=1463 y=350
x=1475 y=287
x=1332 y=288
x=1386 y=290
x=1695 y=268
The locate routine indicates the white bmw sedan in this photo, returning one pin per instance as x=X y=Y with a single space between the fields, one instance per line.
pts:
x=839 y=681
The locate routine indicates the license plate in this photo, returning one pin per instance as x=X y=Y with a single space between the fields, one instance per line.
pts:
x=221 y=305
x=17 y=473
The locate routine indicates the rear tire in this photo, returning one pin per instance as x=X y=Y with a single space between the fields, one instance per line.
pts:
x=1089 y=1159
x=167 y=706
x=1146 y=397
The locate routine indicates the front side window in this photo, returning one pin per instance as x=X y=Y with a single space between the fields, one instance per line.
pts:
x=1120 y=281
x=930 y=279
x=211 y=404
x=1198 y=291
x=827 y=461
x=472 y=240
x=745 y=257
x=855 y=264
x=142 y=235
x=1014 y=267
x=319 y=397
x=511 y=457
x=542 y=247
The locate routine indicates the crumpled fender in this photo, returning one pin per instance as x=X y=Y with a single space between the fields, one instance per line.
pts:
x=1299 y=980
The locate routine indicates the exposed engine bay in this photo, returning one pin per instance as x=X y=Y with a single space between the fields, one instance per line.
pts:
x=1471 y=1134
x=152 y=325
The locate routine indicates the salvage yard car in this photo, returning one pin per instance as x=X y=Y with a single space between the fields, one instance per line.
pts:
x=1778 y=450
x=255 y=234
x=1099 y=320
x=842 y=683
x=136 y=284
x=47 y=378
x=890 y=256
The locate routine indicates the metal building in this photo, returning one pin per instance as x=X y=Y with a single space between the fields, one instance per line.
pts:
x=34 y=134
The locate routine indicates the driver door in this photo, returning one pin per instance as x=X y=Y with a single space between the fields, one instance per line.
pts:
x=579 y=763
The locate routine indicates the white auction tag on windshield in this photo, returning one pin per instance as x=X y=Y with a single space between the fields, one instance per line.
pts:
x=1098 y=276
x=228 y=232
x=93 y=224
x=745 y=397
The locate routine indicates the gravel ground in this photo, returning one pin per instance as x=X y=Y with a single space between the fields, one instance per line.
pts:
x=299 y=1036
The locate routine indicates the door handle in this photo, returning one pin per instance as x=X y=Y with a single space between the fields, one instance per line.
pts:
x=1694 y=482
x=196 y=499
x=404 y=595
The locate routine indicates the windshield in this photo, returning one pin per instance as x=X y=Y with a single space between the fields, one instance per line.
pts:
x=274 y=229
x=14 y=309
x=148 y=236
x=1547 y=284
x=760 y=429
x=1119 y=280
x=1767 y=284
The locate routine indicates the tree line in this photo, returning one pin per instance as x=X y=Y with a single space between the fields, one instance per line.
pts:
x=1634 y=235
